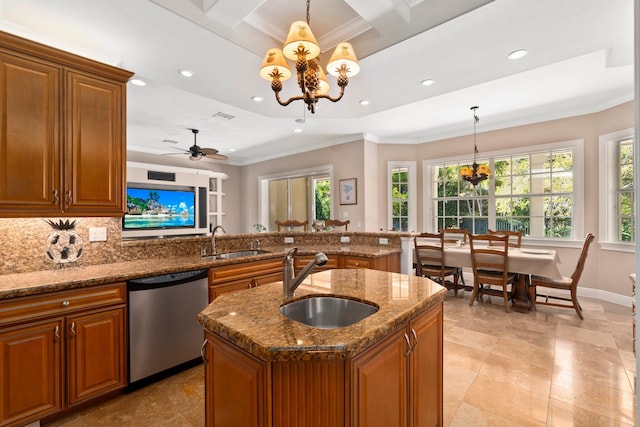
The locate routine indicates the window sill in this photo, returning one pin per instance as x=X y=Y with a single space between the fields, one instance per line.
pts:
x=618 y=247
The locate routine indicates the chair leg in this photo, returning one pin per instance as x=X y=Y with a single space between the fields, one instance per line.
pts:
x=455 y=284
x=532 y=296
x=576 y=304
x=474 y=293
x=506 y=298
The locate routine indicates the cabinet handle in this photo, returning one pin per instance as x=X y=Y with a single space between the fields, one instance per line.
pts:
x=406 y=338
x=357 y=264
x=415 y=338
x=204 y=344
x=56 y=333
x=65 y=303
x=253 y=284
x=73 y=328
x=56 y=199
x=68 y=195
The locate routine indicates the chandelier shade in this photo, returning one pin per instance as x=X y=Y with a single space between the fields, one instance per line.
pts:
x=300 y=35
x=274 y=62
x=343 y=55
x=302 y=47
x=476 y=173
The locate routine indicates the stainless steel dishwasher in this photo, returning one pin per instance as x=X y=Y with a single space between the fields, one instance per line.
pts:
x=164 y=334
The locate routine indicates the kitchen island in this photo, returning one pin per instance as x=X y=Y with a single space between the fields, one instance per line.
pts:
x=263 y=369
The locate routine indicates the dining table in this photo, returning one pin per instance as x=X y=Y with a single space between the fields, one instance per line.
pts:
x=523 y=261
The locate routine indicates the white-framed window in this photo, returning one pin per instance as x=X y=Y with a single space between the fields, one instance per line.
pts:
x=402 y=183
x=301 y=194
x=538 y=190
x=616 y=191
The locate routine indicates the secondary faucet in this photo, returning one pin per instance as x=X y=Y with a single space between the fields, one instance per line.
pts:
x=290 y=282
x=213 y=237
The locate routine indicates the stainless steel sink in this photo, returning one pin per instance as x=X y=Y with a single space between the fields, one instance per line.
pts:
x=235 y=254
x=326 y=312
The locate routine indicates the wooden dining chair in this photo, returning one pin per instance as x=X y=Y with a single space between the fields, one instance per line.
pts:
x=429 y=250
x=515 y=237
x=453 y=235
x=490 y=262
x=566 y=284
x=291 y=223
x=337 y=223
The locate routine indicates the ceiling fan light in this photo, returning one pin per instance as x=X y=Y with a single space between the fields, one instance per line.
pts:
x=300 y=34
x=343 y=54
x=274 y=61
x=195 y=158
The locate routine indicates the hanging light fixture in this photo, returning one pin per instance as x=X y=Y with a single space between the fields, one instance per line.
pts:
x=477 y=173
x=301 y=46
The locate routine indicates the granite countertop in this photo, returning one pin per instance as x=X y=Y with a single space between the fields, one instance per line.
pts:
x=72 y=277
x=251 y=320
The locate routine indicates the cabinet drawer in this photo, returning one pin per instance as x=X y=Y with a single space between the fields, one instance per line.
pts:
x=247 y=270
x=358 y=262
x=303 y=260
x=55 y=303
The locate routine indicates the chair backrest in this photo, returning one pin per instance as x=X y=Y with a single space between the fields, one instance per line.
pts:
x=337 y=223
x=575 y=277
x=515 y=237
x=490 y=252
x=429 y=250
x=290 y=223
x=452 y=235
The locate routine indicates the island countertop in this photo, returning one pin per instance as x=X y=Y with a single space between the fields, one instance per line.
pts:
x=250 y=319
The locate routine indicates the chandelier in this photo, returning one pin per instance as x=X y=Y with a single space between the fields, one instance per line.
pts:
x=477 y=173
x=301 y=46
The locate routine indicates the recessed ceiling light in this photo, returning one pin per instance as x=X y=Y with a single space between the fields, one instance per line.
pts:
x=364 y=102
x=232 y=150
x=517 y=54
x=138 y=82
x=257 y=98
x=186 y=73
x=427 y=82
x=297 y=130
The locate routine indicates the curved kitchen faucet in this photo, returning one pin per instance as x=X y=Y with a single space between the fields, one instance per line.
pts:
x=290 y=282
x=213 y=238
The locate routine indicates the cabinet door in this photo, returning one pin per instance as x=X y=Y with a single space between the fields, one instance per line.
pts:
x=235 y=386
x=426 y=369
x=380 y=383
x=30 y=371
x=95 y=354
x=95 y=146
x=29 y=137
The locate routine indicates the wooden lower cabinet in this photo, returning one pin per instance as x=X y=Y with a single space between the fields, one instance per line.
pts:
x=30 y=371
x=396 y=382
x=61 y=349
x=384 y=263
x=399 y=380
x=236 y=385
x=236 y=277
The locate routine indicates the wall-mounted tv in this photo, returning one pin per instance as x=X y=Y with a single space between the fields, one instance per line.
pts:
x=159 y=207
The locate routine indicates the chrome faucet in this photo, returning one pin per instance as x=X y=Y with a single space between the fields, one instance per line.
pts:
x=290 y=282
x=213 y=238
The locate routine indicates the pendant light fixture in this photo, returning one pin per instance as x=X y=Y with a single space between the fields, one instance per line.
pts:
x=477 y=173
x=301 y=46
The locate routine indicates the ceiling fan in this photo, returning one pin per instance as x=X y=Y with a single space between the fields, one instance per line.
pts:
x=196 y=152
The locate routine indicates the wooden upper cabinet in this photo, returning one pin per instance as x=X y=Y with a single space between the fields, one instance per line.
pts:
x=29 y=136
x=62 y=133
x=94 y=146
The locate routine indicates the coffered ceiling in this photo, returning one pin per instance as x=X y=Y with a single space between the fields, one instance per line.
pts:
x=580 y=60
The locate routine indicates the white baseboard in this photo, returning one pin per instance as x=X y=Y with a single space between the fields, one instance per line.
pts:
x=607 y=296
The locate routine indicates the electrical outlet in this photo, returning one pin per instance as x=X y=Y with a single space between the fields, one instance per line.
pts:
x=288 y=240
x=344 y=239
x=97 y=234
x=384 y=241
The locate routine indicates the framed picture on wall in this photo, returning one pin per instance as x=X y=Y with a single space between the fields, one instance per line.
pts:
x=348 y=191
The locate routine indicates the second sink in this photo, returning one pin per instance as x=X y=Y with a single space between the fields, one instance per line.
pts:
x=327 y=312
x=235 y=254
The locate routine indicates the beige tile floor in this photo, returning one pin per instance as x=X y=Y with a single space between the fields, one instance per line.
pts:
x=500 y=369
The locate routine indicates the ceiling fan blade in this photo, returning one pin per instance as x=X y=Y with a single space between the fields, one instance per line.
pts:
x=208 y=151
x=215 y=156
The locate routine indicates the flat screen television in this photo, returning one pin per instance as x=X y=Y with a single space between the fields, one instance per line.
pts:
x=159 y=207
